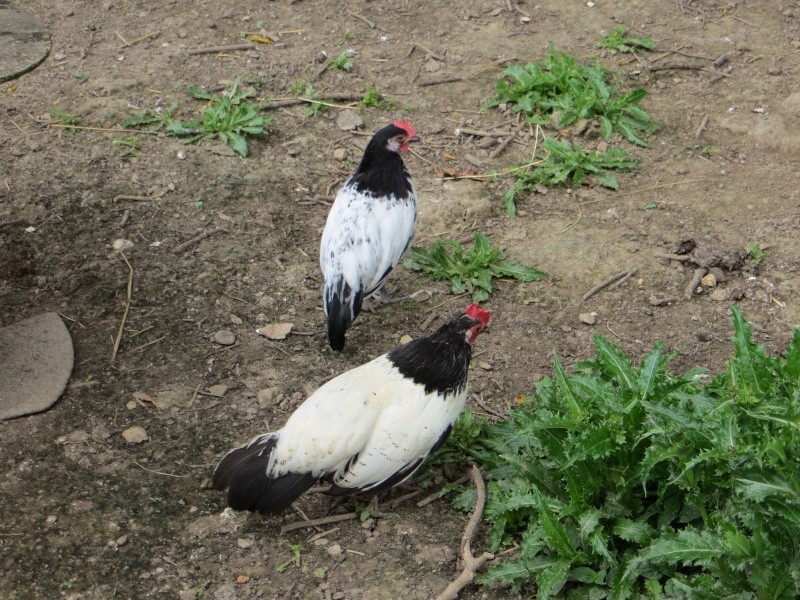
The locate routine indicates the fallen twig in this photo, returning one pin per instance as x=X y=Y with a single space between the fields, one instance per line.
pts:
x=118 y=339
x=430 y=82
x=670 y=256
x=481 y=132
x=628 y=275
x=605 y=283
x=479 y=401
x=471 y=564
x=322 y=69
x=661 y=301
x=159 y=472
x=699 y=273
x=504 y=144
x=12 y=222
x=316 y=522
x=361 y=18
x=147 y=345
x=137 y=40
x=215 y=49
x=180 y=248
x=132 y=198
x=702 y=128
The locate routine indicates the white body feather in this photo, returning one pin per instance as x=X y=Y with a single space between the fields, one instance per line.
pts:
x=373 y=412
x=364 y=237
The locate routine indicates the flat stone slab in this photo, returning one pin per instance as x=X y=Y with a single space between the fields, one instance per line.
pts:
x=36 y=359
x=24 y=42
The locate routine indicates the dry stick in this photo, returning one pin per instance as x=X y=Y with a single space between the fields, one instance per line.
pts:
x=88 y=128
x=125 y=216
x=132 y=198
x=361 y=18
x=670 y=256
x=628 y=275
x=471 y=563
x=479 y=401
x=699 y=273
x=322 y=521
x=504 y=144
x=662 y=301
x=148 y=344
x=188 y=244
x=604 y=283
x=159 y=472
x=127 y=308
x=215 y=49
x=137 y=40
x=439 y=81
x=12 y=222
x=702 y=128
x=322 y=69
x=664 y=185
x=482 y=133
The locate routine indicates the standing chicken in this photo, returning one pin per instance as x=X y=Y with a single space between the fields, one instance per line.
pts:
x=370 y=226
x=364 y=431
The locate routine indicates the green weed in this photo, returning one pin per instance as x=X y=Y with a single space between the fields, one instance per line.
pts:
x=470 y=271
x=126 y=147
x=560 y=86
x=341 y=62
x=297 y=550
x=617 y=41
x=755 y=253
x=61 y=117
x=228 y=116
x=620 y=481
x=569 y=162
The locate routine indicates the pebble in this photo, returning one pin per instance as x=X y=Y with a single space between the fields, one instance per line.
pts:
x=720 y=295
x=334 y=550
x=121 y=244
x=348 y=120
x=51 y=519
x=405 y=338
x=121 y=540
x=82 y=505
x=485 y=365
x=236 y=320
x=241 y=579
x=340 y=154
x=709 y=280
x=218 y=390
x=245 y=543
x=588 y=318
x=224 y=337
x=135 y=435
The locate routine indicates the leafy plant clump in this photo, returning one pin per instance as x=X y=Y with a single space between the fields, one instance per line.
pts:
x=567 y=161
x=560 y=86
x=342 y=62
x=470 y=271
x=228 y=116
x=617 y=41
x=618 y=481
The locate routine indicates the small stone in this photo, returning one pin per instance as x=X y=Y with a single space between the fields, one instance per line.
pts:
x=709 y=280
x=218 y=390
x=236 y=320
x=135 y=435
x=485 y=365
x=602 y=146
x=82 y=505
x=348 y=120
x=131 y=404
x=340 y=154
x=121 y=244
x=321 y=542
x=588 y=318
x=405 y=338
x=268 y=396
x=245 y=543
x=121 y=540
x=718 y=273
x=720 y=295
x=432 y=66
x=181 y=155
x=334 y=550
x=51 y=519
x=242 y=579
x=275 y=331
x=224 y=337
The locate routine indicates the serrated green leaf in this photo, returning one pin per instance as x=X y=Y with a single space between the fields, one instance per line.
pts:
x=633 y=531
x=550 y=581
x=616 y=362
x=518 y=271
x=682 y=548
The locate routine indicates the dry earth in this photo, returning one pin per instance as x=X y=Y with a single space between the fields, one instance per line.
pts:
x=86 y=514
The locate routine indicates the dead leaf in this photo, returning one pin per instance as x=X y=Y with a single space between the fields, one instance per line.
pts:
x=275 y=331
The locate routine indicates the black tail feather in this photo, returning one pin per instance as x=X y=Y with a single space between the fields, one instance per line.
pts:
x=244 y=471
x=341 y=314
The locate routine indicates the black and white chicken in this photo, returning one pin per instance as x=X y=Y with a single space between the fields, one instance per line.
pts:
x=369 y=228
x=366 y=430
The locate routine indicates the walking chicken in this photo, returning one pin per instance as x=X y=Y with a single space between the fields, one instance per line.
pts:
x=369 y=228
x=366 y=430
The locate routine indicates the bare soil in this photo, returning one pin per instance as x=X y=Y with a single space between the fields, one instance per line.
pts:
x=86 y=514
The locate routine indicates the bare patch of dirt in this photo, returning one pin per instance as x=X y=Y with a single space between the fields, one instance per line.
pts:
x=86 y=514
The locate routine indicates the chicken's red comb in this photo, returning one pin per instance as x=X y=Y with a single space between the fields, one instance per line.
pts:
x=403 y=124
x=476 y=312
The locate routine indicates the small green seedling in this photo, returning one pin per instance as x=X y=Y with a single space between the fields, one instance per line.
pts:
x=303 y=88
x=296 y=549
x=61 y=117
x=81 y=77
x=341 y=62
x=373 y=98
x=617 y=41
x=470 y=271
x=347 y=36
x=755 y=253
x=126 y=147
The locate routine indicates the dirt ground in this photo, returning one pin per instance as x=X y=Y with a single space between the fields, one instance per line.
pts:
x=86 y=514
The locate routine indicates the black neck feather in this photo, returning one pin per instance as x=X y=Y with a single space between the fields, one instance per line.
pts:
x=440 y=361
x=381 y=171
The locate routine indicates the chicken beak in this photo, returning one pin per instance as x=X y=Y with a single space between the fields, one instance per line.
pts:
x=413 y=138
